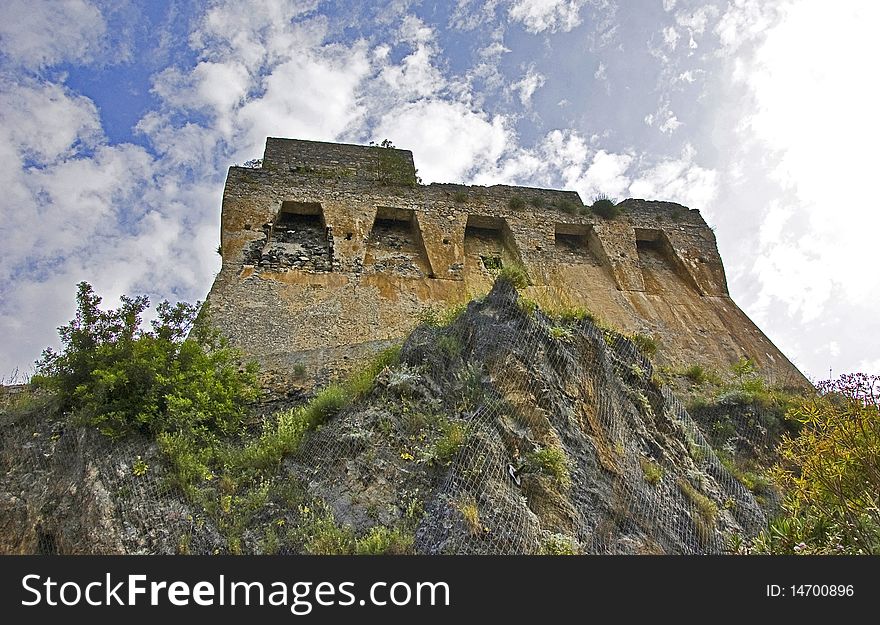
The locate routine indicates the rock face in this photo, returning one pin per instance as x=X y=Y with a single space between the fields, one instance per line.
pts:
x=330 y=251
x=69 y=490
x=504 y=431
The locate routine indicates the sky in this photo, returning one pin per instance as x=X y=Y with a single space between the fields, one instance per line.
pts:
x=118 y=121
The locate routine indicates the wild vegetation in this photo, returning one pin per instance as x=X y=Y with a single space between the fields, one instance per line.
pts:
x=177 y=382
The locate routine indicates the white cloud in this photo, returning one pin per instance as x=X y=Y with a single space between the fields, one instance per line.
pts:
x=550 y=15
x=415 y=76
x=670 y=124
x=310 y=97
x=449 y=140
x=601 y=72
x=815 y=111
x=679 y=180
x=46 y=122
x=605 y=175
x=696 y=21
x=38 y=34
x=527 y=86
x=469 y=14
x=743 y=22
x=670 y=37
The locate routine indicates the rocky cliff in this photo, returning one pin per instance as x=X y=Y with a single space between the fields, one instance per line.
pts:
x=498 y=429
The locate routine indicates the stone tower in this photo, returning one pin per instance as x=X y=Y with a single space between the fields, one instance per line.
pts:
x=333 y=251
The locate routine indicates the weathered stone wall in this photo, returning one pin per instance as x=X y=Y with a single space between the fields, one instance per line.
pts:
x=328 y=257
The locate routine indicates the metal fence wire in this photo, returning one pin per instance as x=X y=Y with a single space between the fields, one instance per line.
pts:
x=502 y=430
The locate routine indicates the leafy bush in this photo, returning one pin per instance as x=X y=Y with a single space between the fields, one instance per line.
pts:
x=448 y=444
x=440 y=318
x=652 y=471
x=381 y=540
x=515 y=275
x=178 y=376
x=567 y=206
x=645 y=342
x=460 y=197
x=551 y=461
x=559 y=545
x=362 y=381
x=469 y=510
x=558 y=333
x=516 y=203
x=537 y=201
x=492 y=264
x=575 y=314
x=696 y=374
x=831 y=471
x=605 y=207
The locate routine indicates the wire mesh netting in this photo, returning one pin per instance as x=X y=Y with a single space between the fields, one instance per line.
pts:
x=501 y=429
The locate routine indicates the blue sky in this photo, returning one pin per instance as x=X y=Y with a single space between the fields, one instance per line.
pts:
x=118 y=121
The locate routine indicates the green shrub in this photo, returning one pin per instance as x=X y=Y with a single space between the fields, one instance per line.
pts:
x=467 y=506
x=537 y=201
x=492 y=264
x=178 y=376
x=567 y=206
x=326 y=405
x=516 y=203
x=645 y=342
x=652 y=471
x=551 y=461
x=528 y=306
x=744 y=367
x=440 y=318
x=381 y=540
x=605 y=207
x=830 y=471
x=575 y=314
x=362 y=381
x=696 y=374
x=447 y=445
x=515 y=275
x=450 y=345
x=705 y=508
x=460 y=197
x=558 y=333
x=320 y=534
x=559 y=545
x=299 y=371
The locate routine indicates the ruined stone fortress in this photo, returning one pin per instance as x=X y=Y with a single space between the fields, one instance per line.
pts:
x=332 y=252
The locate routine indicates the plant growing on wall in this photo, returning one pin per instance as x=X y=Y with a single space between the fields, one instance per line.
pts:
x=392 y=166
x=605 y=206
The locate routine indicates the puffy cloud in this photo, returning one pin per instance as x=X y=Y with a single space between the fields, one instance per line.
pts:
x=679 y=180
x=743 y=22
x=550 y=15
x=450 y=141
x=416 y=76
x=605 y=175
x=311 y=97
x=823 y=257
x=45 y=122
x=38 y=34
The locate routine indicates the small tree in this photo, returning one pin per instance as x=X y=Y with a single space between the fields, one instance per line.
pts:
x=831 y=472
x=178 y=376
